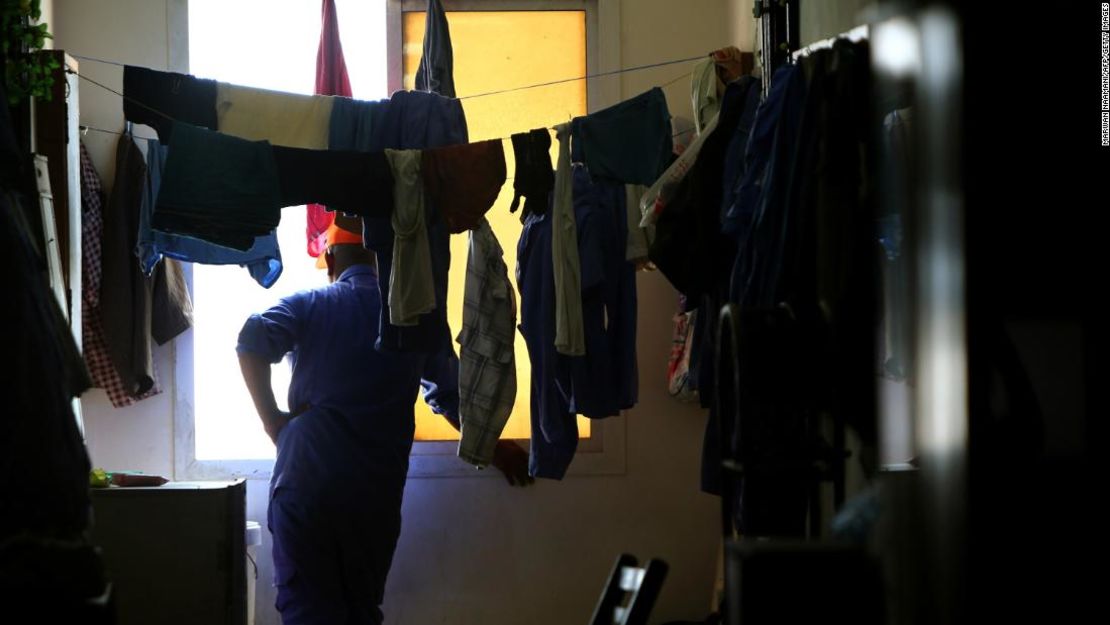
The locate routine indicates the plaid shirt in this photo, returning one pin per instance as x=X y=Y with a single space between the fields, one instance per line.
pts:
x=487 y=366
x=101 y=369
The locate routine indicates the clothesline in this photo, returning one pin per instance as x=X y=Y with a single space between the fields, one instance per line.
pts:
x=489 y=93
x=121 y=133
x=170 y=118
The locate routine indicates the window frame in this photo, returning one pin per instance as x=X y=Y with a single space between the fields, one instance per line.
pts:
x=603 y=453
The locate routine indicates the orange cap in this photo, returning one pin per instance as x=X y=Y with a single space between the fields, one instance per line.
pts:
x=337 y=235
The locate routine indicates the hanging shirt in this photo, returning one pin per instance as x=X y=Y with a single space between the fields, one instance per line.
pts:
x=436 y=72
x=414 y=120
x=629 y=142
x=95 y=350
x=289 y=119
x=605 y=378
x=411 y=290
x=464 y=181
x=218 y=188
x=554 y=426
x=487 y=366
x=331 y=79
x=569 y=337
x=127 y=296
x=157 y=99
x=262 y=260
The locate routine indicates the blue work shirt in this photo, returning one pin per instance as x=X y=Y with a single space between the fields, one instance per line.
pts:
x=554 y=426
x=605 y=379
x=358 y=420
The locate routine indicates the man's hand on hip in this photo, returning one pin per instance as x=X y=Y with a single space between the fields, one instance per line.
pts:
x=275 y=423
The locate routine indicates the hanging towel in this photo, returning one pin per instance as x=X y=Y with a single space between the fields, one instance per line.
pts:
x=534 y=177
x=487 y=366
x=157 y=99
x=628 y=142
x=569 y=338
x=436 y=72
x=218 y=188
x=464 y=181
x=289 y=119
x=411 y=291
x=262 y=260
x=331 y=79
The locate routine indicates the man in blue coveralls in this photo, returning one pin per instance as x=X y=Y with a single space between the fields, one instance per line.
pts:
x=342 y=450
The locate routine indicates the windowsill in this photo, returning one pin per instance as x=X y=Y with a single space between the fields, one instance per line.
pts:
x=601 y=454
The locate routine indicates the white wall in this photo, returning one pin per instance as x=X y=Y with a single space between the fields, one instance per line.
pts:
x=473 y=550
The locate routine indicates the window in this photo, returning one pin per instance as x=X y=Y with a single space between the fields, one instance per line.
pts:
x=277 y=51
x=496 y=50
x=217 y=433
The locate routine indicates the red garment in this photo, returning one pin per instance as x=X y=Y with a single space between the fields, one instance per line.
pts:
x=331 y=79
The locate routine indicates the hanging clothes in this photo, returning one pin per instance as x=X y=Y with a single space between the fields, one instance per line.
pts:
x=569 y=337
x=218 y=188
x=41 y=443
x=464 y=181
x=289 y=119
x=639 y=238
x=262 y=260
x=554 y=426
x=411 y=290
x=350 y=128
x=436 y=72
x=352 y=123
x=628 y=142
x=157 y=99
x=689 y=248
x=357 y=183
x=534 y=178
x=331 y=79
x=487 y=363
x=605 y=378
x=127 y=296
x=705 y=93
x=97 y=357
x=655 y=199
x=414 y=120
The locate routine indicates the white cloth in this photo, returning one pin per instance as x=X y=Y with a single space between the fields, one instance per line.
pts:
x=411 y=289
x=663 y=189
x=570 y=338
